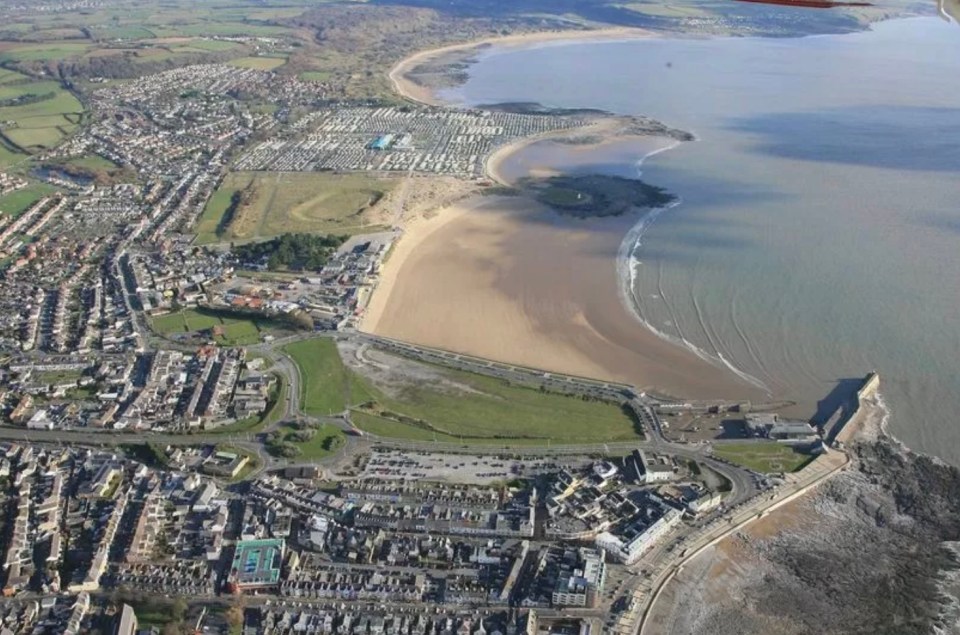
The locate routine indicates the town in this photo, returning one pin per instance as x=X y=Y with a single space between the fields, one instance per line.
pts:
x=196 y=433
x=434 y=550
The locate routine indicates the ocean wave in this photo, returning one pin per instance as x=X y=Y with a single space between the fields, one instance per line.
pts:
x=628 y=266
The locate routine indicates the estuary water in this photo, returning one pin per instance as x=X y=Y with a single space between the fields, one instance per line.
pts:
x=818 y=236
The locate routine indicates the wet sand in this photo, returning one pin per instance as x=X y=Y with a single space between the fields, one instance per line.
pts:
x=410 y=89
x=507 y=279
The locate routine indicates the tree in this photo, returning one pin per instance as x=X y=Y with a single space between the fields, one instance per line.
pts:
x=179 y=609
x=234 y=614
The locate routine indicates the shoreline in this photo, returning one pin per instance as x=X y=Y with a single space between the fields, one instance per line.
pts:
x=546 y=320
x=543 y=293
x=424 y=95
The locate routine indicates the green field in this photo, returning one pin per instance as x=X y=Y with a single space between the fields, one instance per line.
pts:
x=93 y=162
x=7 y=76
x=762 y=456
x=15 y=203
x=209 y=223
x=219 y=28
x=40 y=137
x=44 y=52
x=259 y=63
x=236 y=331
x=9 y=157
x=327 y=386
x=41 y=124
x=282 y=203
x=493 y=409
x=487 y=411
x=207 y=46
x=316 y=76
x=127 y=32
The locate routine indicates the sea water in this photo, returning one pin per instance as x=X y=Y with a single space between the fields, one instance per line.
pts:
x=818 y=236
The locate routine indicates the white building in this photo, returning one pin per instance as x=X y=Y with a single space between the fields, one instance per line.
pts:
x=630 y=551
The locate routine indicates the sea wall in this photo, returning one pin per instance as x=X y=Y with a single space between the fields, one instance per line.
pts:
x=849 y=417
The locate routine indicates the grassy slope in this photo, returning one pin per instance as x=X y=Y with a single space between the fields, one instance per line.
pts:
x=494 y=411
x=762 y=456
x=327 y=385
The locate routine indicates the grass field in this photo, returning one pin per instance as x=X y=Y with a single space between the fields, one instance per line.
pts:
x=259 y=63
x=296 y=202
x=219 y=28
x=489 y=412
x=493 y=409
x=236 y=331
x=217 y=205
x=327 y=386
x=15 y=203
x=762 y=456
x=126 y=32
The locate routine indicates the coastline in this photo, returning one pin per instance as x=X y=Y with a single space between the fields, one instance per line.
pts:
x=532 y=289
x=411 y=90
x=453 y=224
x=537 y=296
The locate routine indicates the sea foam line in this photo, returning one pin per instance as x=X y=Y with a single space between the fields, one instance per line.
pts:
x=627 y=272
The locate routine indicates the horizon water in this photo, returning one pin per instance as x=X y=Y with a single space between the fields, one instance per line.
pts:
x=818 y=233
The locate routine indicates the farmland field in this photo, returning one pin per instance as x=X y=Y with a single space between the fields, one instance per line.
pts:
x=48 y=51
x=8 y=157
x=7 y=76
x=43 y=123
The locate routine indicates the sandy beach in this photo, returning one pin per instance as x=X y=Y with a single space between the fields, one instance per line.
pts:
x=410 y=89
x=506 y=278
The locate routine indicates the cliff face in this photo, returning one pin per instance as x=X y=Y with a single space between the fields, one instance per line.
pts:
x=871 y=551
